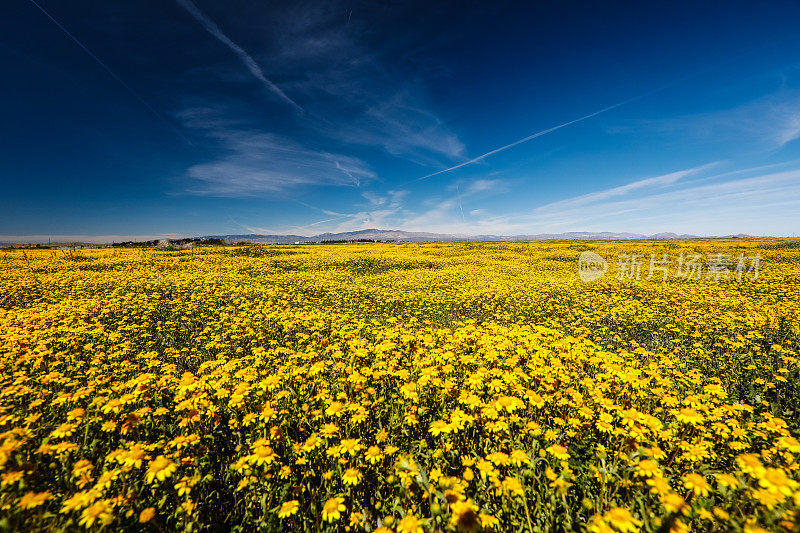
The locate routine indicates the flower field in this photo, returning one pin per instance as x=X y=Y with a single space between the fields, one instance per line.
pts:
x=386 y=387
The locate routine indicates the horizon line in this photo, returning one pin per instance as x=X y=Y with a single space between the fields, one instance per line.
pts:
x=55 y=239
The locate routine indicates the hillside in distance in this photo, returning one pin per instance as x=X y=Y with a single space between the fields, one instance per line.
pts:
x=421 y=236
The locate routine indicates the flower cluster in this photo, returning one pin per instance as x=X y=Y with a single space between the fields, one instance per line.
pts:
x=408 y=388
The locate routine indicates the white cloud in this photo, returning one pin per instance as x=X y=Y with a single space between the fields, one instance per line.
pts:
x=761 y=204
x=478 y=186
x=790 y=129
x=354 y=100
x=765 y=124
x=256 y=163
x=443 y=215
x=383 y=211
x=654 y=182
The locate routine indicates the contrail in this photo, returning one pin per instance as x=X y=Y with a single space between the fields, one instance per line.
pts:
x=539 y=134
x=212 y=28
x=112 y=73
x=594 y=114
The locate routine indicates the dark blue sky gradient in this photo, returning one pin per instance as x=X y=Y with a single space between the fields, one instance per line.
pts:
x=392 y=92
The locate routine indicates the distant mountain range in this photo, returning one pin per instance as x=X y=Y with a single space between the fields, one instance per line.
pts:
x=419 y=236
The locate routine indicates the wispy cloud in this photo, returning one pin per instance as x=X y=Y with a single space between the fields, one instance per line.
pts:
x=483 y=186
x=400 y=123
x=392 y=211
x=394 y=120
x=790 y=129
x=300 y=229
x=745 y=205
x=622 y=190
x=355 y=101
x=765 y=124
x=759 y=204
x=355 y=96
x=255 y=163
x=382 y=211
x=765 y=204
x=212 y=28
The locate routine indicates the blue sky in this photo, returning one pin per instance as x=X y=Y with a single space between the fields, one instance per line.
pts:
x=191 y=117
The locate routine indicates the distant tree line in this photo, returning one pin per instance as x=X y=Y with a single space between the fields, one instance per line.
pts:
x=344 y=241
x=213 y=241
